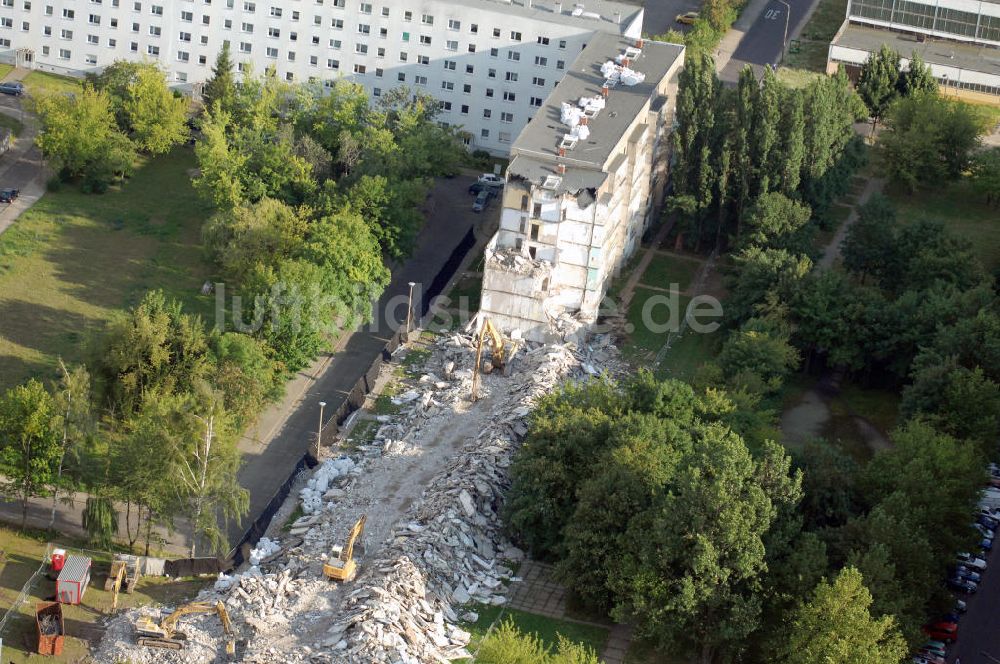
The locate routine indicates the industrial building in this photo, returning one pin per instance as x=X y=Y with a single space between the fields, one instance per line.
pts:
x=959 y=39
x=584 y=181
x=490 y=63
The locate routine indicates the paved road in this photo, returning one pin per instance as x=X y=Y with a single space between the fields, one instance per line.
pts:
x=762 y=43
x=268 y=461
x=21 y=167
x=661 y=14
x=978 y=636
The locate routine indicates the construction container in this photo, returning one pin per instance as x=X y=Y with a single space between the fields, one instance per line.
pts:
x=51 y=628
x=73 y=580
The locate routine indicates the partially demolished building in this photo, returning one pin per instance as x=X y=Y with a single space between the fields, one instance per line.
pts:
x=585 y=177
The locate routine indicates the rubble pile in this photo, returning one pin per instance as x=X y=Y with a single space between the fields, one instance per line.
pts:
x=48 y=625
x=420 y=562
x=510 y=260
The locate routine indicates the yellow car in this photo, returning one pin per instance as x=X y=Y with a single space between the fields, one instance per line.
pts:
x=687 y=18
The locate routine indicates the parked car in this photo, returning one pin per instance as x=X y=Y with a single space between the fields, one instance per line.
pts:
x=939 y=647
x=987 y=533
x=951 y=617
x=687 y=18
x=986 y=544
x=970 y=560
x=924 y=657
x=960 y=606
x=942 y=631
x=987 y=520
x=962 y=585
x=15 y=88
x=8 y=195
x=964 y=572
x=491 y=179
x=482 y=200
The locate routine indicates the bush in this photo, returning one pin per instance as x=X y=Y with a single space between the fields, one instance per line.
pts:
x=507 y=645
x=54 y=184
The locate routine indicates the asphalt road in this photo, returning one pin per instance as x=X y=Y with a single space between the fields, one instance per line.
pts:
x=762 y=43
x=264 y=471
x=661 y=15
x=978 y=636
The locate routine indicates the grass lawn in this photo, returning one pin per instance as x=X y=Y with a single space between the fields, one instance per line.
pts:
x=673 y=272
x=688 y=353
x=815 y=39
x=11 y=123
x=963 y=212
x=23 y=553
x=40 y=82
x=5 y=69
x=74 y=259
x=669 y=309
x=546 y=629
x=880 y=407
x=466 y=293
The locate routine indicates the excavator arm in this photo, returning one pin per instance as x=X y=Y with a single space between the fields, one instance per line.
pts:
x=165 y=635
x=343 y=567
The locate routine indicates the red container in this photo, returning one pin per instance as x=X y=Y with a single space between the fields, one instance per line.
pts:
x=50 y=642
x=58 y=559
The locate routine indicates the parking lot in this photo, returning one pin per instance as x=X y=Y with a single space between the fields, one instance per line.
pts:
x=978 y=635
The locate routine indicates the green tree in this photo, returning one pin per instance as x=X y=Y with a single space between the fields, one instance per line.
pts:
x=100 y=520
x=759 y=355
x=868 y=245
x=154 y=348
x=985 y=178
x=836 y=627
x=829 y=478
x=219 y=163
x=917 y=78
x=204 y=461
x=258 y=234
x=763 y=271
x=246 y=375
x=776 y=221
x=156 y=118
x=878 y=82
x=954 y=399
x=295 y=316
x=219 y=93
x=29 y=443
x=79 y=135
x=765 y=144
x=929 y=139
x=72 y=402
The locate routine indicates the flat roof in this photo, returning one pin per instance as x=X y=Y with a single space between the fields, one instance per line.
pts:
x=942 y=52
x=599 y=14
x=536 y=149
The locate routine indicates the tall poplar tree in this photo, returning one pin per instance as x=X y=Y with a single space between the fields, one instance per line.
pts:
x=877 y=82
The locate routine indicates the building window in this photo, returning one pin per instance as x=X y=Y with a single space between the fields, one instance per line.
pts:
x=506 y=117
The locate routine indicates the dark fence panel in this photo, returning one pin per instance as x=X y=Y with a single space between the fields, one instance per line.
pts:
x=259 y=526
x=195 y=566
x=445 y=274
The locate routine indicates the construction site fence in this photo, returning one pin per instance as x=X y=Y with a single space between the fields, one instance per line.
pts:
x=354 y=400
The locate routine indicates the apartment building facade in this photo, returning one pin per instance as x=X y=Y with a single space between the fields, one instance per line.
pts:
x=584 y=182
x=491 y=63
x=959 y=39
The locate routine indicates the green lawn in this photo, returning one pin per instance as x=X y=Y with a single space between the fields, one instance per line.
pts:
x=666 y=271
x=11 y=123
x=644 y=342
x=546 y=629
x=469 y=288
x=816 y=36
x=22 y=555
x=73 y=260
x=5 y=69
x=40 y=82
x=962 y=210
x=880 y=407
x=688 y=353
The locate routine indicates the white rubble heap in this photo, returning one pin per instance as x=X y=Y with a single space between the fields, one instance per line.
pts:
x=418 y=566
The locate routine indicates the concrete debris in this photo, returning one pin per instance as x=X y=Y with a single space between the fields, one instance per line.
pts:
x=49 y=625
x=264 y=549
x=431 y=484
x=511 y=260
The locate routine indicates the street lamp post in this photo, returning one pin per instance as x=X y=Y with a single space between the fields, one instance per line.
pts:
x=409 y=307
x=784 y=41
x=319 y=429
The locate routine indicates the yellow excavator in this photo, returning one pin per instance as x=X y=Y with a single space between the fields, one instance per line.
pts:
x=342 y=566
x=499 y=355
x=114 y=582
x=165 y=634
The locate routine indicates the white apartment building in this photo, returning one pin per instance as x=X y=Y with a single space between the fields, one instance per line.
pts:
x=491 y=63
x=585 y=179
